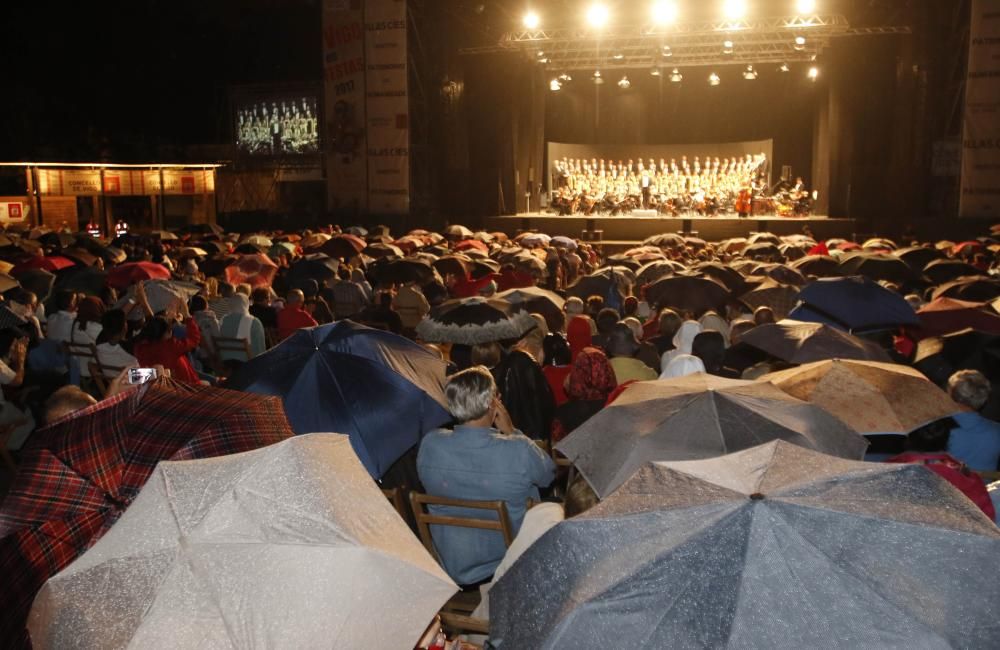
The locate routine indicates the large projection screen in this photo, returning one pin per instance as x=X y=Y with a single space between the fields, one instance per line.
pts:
x=626 y=152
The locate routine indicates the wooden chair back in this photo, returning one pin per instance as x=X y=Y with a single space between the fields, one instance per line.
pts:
x=426 y=519
x=226 y=344
x=395 y=497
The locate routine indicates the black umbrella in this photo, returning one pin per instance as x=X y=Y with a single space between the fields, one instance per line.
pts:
x=683 y=292
x=626 y=261
x=878 y=266
x=918 y=257
x=665 y=240
x=781 y=272
x=731 y=278
x=88 y=280
x=602 y=282
x=763 y=250
x=457 y=265
x=759 y=237
x=946 y=270
x=246 y=248
x=971 y=289
x=772 y=547
x=654 y=271
x=479 y=268
x=798 y=342
x=470 y=321
x=822 y=266
x=941 y=356
x=37 y=281
x=401 y=271
x=534 y=300
x=216 y=266
x=316 y=266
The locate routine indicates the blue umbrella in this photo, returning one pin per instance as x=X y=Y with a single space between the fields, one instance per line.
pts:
x=381 y=389
x=854 y=303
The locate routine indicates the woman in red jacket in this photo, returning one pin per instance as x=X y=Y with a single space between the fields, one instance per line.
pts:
x=156 y=344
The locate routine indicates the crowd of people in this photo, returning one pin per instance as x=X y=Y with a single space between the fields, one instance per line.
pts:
x=599 y=325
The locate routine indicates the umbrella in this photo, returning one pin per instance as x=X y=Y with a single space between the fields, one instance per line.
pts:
x=697 y=416
x=343 y=246
x=470 y=321
x=782 y=273
x=530 y=239
x=767 y=237
x=804 y=342
x=84 y=279
x=251 y=249
x=878 y=266
x=561 y=241
x=871 y=397
x=216 y=266
x=163 y=235
x=57 y=239
x=973 y=289
x=781 y=298
x=191 y=251
x=608 y=281
x=665 y=240
x=316 y=266
x=771 y=547
x=400 y=271
x=357 y=231
x=733 y=245
x=79 y=474
x=940 y=356
x=80 y=255
x=384 y=250
x=127 y=274
x=38 y=282
x=654 y=271
x=51 y=263
x=946 y=315
x=918 y=257
x=879 y=243
x=946 y=270
x=315 y=240
x=856 y=303
x=383 y=390
x=682 y=292
x=7 y=283
x=731 y=278
x=457 y=265
x=161 y=294
x=410 y=243
x=457 y=232
x=258 y=240
x=213 y=246
x=534 y=300
x=282 y=248
x=255 y=270
x=471 y=244
x=762 y=250
x=818 y=265
x=172 y=572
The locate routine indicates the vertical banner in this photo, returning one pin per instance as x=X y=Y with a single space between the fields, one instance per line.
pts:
x=981 y=142
x=344 y=105
x=387 y=101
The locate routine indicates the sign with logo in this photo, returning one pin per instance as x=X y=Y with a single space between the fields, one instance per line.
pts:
x=12 y=212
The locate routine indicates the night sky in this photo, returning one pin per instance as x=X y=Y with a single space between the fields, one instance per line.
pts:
x=128 y=80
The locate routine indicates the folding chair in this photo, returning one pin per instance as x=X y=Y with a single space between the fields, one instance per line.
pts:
x=222 y=344
x=84 y=353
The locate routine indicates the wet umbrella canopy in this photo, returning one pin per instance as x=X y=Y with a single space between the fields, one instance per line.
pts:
x=772 y=547
x=855 y=303
x=697 y=416
x=329 y=556
x=474 y=320
x=797 y=342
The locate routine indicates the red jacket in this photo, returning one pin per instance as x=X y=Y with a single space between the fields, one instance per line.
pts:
x=172 y=353
x=955 y=472
x=291 y=319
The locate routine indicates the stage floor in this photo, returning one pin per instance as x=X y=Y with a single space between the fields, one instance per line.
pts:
x=627 y=230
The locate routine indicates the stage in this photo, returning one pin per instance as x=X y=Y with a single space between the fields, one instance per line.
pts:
x=626 y=231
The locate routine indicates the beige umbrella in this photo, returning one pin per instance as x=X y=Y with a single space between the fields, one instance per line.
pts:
x=870 y=396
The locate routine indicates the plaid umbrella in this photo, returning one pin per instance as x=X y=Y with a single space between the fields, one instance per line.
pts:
x=255 y=270
x=79 y=475
x=127 y=274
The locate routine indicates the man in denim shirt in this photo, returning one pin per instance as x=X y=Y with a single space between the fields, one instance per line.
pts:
x=976 y=440
x=483 y=459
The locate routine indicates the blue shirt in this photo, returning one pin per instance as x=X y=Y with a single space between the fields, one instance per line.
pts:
x=975 y=442
x=479 y=464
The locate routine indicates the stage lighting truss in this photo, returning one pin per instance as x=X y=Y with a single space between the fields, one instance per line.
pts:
x=755 y=41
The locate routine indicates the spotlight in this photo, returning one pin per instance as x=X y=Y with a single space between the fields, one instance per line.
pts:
x=543 y=60
x=565 y=77
x=624 y=83
x=676 y=76
x=654 y=72
x=800 y=43
x=531 y=20
x=598 y=79
x=666 y=51
x=618 y=56
x=664 y=12
x=813 y=73
x=727 y=47
x=734 y=9
x=598 y=15
x=783 y=67
x=555 y=85
x=713 y=79
x=749 y=74
x=805 y=6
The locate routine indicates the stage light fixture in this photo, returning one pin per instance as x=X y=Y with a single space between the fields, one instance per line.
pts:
x=598 y=79
x=783 y=67
x=624 y=83
x=714 y=80
x=555 y=85
x=654 y=72
x=734 y=9
x=813 y=73
x=805 y=6
x=749 y=74
x=617 y=56
x=598 y=15
x=531 y=20
x=666 y=52
x=676 y=76
x=664 y=12
x=727 y=47
x=565 y=77
x=800 y=43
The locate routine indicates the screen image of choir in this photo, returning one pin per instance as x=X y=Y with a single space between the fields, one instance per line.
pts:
x=288 y=126
x=713 y=186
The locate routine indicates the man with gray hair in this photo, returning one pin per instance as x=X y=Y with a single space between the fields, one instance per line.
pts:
x=482 y=459
x=976 y=440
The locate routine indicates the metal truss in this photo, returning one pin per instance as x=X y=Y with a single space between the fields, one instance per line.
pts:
x=767 y=40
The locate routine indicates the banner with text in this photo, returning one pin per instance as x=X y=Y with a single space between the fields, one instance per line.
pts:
x=125 y=182
x=344 y=105
x=387 y=101
x=981 y=141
